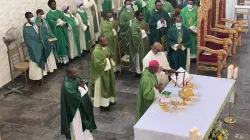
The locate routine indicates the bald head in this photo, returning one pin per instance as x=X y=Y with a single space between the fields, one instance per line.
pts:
x=157 y=47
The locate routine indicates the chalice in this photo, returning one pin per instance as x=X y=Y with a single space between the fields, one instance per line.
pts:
x=175 y=101
x=184 y=97
x=163 y=106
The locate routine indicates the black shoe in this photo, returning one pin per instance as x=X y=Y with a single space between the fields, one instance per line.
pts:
x=104 y=108
x=110 y=103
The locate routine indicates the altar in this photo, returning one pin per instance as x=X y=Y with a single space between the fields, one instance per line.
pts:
x=211 y=96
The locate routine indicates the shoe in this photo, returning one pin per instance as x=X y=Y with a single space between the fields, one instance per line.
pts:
x=104 y=108
x=110 y=103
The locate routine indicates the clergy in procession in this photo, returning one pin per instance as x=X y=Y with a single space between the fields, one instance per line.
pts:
x=126 y=18
x=148 y=89
x=77 y=117
x=72 y=32
x=179 y=43
x=159 y=22
x=83 y=27
x=189 y=16
x=46 y=36
x=165 y=70
x=139 y=42
x=94 y=18
x=102 y=75
x=38 y=54
x=109 y=31
x=54 y=18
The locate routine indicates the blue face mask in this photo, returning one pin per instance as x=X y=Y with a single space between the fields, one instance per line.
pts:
x=128 y=7
x=178 y=24
x=43 y=16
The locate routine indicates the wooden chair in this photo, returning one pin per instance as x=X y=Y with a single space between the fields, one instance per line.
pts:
x=91 y=45
x=209 y=44
x=17 y=63
x=236 y=31
x=164 y=43
x=25 y=52
x=205 y=11
x=123 y=57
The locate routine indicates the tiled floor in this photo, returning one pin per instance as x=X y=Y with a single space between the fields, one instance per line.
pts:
x=36 y=115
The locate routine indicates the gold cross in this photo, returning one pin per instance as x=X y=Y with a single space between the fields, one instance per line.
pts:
x=190 y=21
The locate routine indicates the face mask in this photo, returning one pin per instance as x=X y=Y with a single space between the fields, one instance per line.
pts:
x=82 y=7
x=111 y=19
x=43 y=16
x=178 y=24
x=158 y=54
x=32 y=19
x=190 y=6
x=128 y=7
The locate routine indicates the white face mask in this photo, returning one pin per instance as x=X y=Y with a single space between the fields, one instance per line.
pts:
x=178 y=24
x=128 y=7
x=82 y=7
x=33 y=19
x=111 y=19
x=43 y=16
x=190 y=6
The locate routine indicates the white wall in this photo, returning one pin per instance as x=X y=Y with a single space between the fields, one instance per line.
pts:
x=12 y=15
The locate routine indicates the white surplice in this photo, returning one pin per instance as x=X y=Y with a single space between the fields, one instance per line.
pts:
x=82 y=28
x=51 y=62
x=88 y=4
x=162 y=77
x=98 y=100
x=72 y=44
x=76 y=125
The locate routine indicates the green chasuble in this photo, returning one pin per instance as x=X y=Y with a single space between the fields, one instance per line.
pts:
x=71 y=100
x=150 y=4
x=35 y=46
x=59 y=32
x=107 y=6
x=189 y=18
x=84 y=18
x=144 y=9
x=98 y=65
x=154 y=17
x=124 y=23
x=137 y=44
x=107 y=31
x=45 y=33
x=146 y=93
x=71 y=21
x=177 y=58
x=167 y=6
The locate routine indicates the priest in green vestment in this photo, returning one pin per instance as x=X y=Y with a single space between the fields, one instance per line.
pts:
x=159 y=22
x=109 y=31
x=142 y=6
x=139 y=43
x=149 y=87
x=179 y=43
x=72 y=32
x=37 y=51
x=77 y=117
x=48 y=38
x=83 y=27
x=126 y=17
x=102 y=75
x=54 y=18
x=189 y=16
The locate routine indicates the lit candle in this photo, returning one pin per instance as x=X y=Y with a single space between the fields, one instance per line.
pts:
x=195 y=131
x=191 y=134
x=199 y=136
x=235 y=73
x=230 y=71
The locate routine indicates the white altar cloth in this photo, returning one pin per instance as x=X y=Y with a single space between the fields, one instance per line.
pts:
x=211 y=96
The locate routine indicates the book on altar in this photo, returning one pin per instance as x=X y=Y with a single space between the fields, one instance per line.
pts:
x=179 y=79
x=52 y=39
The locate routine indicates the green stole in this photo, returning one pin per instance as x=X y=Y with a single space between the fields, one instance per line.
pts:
x=84 y=18
x=146 y=93
x=35 y=46
x=157 y=34
x=189 y=18
x=98 y=65
x=137 y=44
x=178 y=58
x=107 y=31
x=71 y=21
x=71 y=100
x=107 y=6
x=59 y=31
